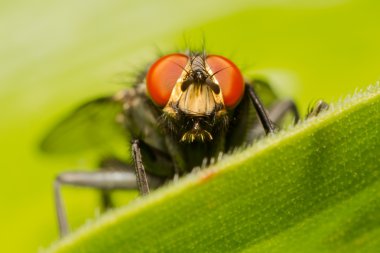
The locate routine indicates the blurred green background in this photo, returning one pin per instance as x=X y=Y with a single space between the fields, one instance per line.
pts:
x=56 y=54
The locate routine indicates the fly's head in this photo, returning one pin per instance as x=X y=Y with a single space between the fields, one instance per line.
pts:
x=195 y=91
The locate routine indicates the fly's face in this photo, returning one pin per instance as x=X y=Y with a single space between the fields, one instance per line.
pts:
x=195 y=91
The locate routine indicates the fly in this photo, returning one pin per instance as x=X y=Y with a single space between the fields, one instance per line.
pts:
x=188 y=109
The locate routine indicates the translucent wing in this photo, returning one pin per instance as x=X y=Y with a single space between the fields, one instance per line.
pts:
x=92 y=126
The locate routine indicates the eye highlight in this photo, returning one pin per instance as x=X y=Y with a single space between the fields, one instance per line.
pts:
x=163 y=75
x=229 y=77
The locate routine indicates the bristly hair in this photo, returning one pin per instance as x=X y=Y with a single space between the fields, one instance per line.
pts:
x=165 y=123
x=192 y=45
x=134 y=75
x=170 y=126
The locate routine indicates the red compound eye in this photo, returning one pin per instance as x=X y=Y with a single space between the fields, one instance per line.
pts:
x=163 y=75
x=229 y=77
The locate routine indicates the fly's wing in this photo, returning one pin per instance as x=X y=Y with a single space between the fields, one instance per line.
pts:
x=92 y=126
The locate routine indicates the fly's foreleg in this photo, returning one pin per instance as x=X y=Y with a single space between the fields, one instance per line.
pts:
x=259 y=107
x=104 y=180
x=318 y=107
x=141 y=178
x=277 y=113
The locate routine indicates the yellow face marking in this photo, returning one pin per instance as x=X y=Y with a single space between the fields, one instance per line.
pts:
x=197 y=100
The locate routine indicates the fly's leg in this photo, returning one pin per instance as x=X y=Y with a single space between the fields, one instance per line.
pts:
x=111 y=164
x=280 y=109
x=276 y=114
x=319 y=107
x=141 y=178
x=106 y=200
x=263 y=116
x=103 y=180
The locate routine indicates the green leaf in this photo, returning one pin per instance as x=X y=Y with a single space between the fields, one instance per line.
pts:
x=312 y=188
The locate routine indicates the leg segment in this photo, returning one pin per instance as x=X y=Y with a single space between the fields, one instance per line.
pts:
x=104 y=180
x=141 y=179
x=319 y=107
x=276 y=114
x=111 y=164
x=106 y=199
x=280 y=109
x=263 y=116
